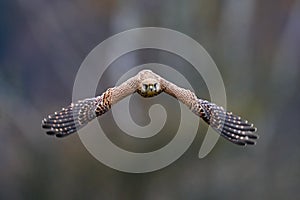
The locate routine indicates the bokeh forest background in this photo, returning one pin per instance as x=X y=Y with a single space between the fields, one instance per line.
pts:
x=255 y=44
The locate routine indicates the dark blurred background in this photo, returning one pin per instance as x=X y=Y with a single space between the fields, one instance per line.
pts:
x=254 y=43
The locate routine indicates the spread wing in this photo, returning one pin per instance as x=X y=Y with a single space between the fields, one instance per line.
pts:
x=77 y=115
x=230 y=126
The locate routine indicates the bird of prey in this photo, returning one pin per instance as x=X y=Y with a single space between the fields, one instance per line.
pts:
x=148 y=84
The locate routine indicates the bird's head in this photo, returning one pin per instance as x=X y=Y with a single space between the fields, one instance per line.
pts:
x=149 y=88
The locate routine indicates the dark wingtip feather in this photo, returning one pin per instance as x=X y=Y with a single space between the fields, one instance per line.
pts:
x=60 y=135
x=230 y=126
x=60 y=123
x=50 y=132
x=69 y=119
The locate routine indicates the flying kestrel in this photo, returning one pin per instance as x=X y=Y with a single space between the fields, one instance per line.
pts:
x=148 y=84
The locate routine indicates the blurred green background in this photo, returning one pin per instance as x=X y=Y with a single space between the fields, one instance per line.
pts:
x=255 y=44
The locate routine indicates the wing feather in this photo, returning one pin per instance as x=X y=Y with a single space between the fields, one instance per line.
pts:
x=76 y=115
x=228 y=125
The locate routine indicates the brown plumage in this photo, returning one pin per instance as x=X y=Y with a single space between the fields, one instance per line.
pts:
x=148 y=84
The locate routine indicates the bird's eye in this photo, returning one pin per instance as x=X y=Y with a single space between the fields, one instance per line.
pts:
x=145 y=86
x=155 y=85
